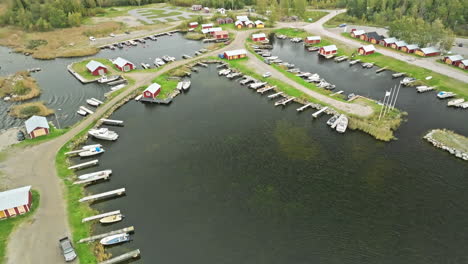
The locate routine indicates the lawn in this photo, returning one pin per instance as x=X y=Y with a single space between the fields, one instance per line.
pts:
x=315 y=15
x=8 y=225
x=53 y=133
x=80 y=68
x=451 y=139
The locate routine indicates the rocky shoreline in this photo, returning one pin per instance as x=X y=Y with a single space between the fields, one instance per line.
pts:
x=456 y=152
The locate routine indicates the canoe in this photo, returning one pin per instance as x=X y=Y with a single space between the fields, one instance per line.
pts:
x=111 y=219
x=115 y=239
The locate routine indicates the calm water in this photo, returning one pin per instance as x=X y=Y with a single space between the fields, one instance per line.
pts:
x=62 y=91
x=223 y=176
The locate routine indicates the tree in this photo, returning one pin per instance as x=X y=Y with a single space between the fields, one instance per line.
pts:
x=261 y=6
x=74 y=19
x=300 y=7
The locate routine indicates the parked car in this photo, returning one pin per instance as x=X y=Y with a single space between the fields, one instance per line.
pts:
x=112 y=34
x=92 y=38
x=266 y=74
x=127 y=32
x=342 y=25
x=67 y=249
x=460 y=45
x=20 y=136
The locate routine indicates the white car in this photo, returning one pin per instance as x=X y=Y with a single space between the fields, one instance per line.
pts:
x=92 y=38
x=267 y=74
x=112 y=34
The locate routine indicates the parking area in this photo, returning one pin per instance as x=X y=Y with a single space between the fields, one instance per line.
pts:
x=163 y=14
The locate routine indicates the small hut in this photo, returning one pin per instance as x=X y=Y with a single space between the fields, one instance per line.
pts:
x=427 y=52
x=15 y=202
x=357 y=33
x=152 y=91
x=366 y=50
x=193 y=24
x=259 y=24
x=411 y=48
x=96 y=68
x=123 y=64
x=328 y=50
x=235 y=54
x=37 y=126
x=453 y=60
x=388 y=41
x=259 y=37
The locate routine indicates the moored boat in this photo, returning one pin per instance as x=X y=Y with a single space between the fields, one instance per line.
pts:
x=342 y=124
x=105 y=79
x=91 y=152
x=443 y=95
x=407 y=81
x=332 y=120
x=186 y=85
x=92 y=102
x=82 y=112
x=103 y=133
x=115 y=239
x=111 y=219
x=95 y=174
x=455 y=101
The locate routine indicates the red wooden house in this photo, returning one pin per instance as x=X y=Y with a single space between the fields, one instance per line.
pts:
x=398 y=45
x=259 y=37
x=235 y=54
x=357 y=33
x=411 y=48
x=152 y=91
x=328 y=50
x=373 y=37
x=453 y=60
x=205 y=26
x=96 y=68
x=366 y=50
x=123 y=64
x=36 y=126
x=427 y=52
x=221 y=34
x=193 y=24
x=15 y=202
x=312 y=40
x=388 y=41
x=463 y=64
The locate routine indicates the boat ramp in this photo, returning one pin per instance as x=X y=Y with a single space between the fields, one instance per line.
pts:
x=129 y=229
x=103 y=195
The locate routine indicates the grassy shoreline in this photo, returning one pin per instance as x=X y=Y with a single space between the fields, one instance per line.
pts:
x=29 y=109
x=20 y=86
x=8 y=225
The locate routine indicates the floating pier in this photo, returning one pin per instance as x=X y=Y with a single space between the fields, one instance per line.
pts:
x=381 y=69
x=316 y=114
x=112 y=122
x=86 y=110
x=116 y=232
x=99 y=216
x=284 y=101
x=275 y=95
x=123 y=257
x=354 y=62
x=103 y=195
x=265 y=89
x=97 y=178
x=304 y=107
x=116 y=82
x=339 y=92
x=84 y=165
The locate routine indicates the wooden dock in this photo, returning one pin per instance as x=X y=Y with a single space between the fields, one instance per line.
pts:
x=275 y=95
x=202 y=64
x=123 y=257
x=304 y=107
x=116 y=232
x=103 y=195
x=221 y=66
x=381 y=69
x=84 y=165
x=284 y=101
x=316 y=114
x=93 y=179
x=86 y=110
x=112 y=122
x=339 y=92
x=155 y=100
x=99 y=216
x=265 y=89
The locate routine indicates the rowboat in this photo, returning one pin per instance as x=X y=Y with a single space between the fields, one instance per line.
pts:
x=81 y=112
x=112 y=219
x=92 y=102
x=115 y=239
x=186 y=85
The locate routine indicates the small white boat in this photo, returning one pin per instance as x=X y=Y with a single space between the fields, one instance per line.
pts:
x=342 y=124
x=186 y=85
x=95 y=174
x=82 y=112
x=91 y=152
x=455 y=102
x=111 y=219
x=428 y=77
x=180 y=85
x=103 y=133
x=7 y=98
x=105 y=79
x=92 y=102
x=332 y=120
x=159 y=62
x=443 y=95
x=407 y=80
x=115 y=239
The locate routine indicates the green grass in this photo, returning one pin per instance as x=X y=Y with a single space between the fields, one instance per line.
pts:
x=451 y=139
x=76 y=210
x=8 y=225
x=80 y=68
x=344 y=18
x=315 y=15
x=167 y=85
x=53 y=133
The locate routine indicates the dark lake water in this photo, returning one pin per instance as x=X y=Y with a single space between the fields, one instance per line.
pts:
x=62 y=91
x=223 y=176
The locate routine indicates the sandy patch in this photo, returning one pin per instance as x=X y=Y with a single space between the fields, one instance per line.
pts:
x=130 y=21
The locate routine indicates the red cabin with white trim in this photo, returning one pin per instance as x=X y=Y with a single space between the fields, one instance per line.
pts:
x=328 y=50
x=15 y=202
x=152 y=91
x=366 y=50
x=259 y=37
x=313 y=40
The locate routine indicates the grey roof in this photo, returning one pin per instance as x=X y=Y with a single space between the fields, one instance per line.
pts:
x=455 y=57
x=429 y=50
x=14 y=198
x=242 y=18
x=121 y=62
x=93 y=65
x=153 y=88
x=375 y=36
x=330 y=48
x=390 y=40
x=35 y=122
x=400 y=43
x=412 y=46
x=464 y=62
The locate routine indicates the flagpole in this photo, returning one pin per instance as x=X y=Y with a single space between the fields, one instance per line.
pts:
x=398 y=91
x=383 y=102
x=389 y=103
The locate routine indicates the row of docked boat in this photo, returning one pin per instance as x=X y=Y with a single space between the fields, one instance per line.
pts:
x=459 y=102
x=184 y=85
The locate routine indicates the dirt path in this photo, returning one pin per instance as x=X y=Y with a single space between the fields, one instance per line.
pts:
x=317 y=28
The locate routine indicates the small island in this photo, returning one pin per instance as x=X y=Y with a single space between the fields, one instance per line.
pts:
x=29 y=109
x=19 y=87
x=450 y=141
